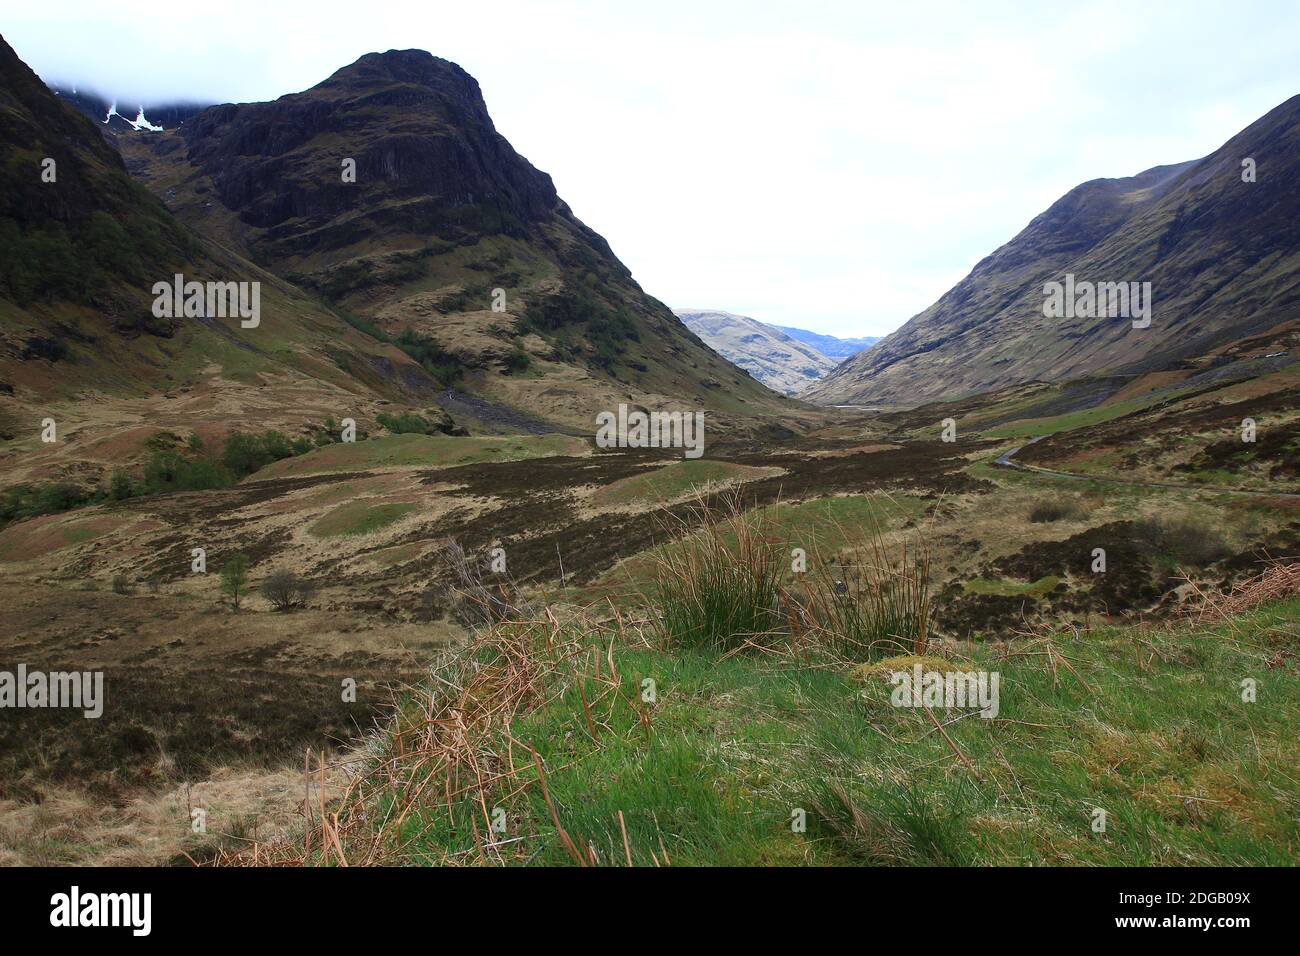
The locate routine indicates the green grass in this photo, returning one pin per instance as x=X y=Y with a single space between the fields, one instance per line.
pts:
x=673 y=481
x=821 y=526
x=1033 y=427
x=1159 y=738
x=1036 y=589
x=421 y=451
x=357 y=517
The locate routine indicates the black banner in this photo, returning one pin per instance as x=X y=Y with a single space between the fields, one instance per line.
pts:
x=213 y=905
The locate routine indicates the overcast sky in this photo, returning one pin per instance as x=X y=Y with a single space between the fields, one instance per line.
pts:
x=830 y=165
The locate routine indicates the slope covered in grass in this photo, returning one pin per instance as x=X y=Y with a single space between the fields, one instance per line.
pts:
x=1158 y=737
x=770 y=737
x=677 y=480
x=421 y=451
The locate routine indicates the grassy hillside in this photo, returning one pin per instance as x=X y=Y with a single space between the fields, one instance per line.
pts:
x=626 y=742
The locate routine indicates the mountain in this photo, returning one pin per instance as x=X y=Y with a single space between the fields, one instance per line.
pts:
x=387 y=191
x=1222 y=255
x=74 y=228
x=81 y=247
x=776 y=359
x=828 y=345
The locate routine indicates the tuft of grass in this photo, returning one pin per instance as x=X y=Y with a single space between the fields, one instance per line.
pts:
x=875 y=606
x=720 y=587
x=724 y=587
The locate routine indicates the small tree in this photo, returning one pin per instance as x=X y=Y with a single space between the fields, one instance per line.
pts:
x=119 y=486
x=234 y=578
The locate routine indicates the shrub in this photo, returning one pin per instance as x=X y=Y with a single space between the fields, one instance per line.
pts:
x=30 y=501
x=439 y=363
x=171 y=471
x=119 y=485
x=517 y=360
x=1189 y=542
x=406 y=423
x=245 y=453
x=869 y=609
x=121 y=585
x=1056 y=510
x=285 y=590
x=477 y=596
x=59 y=496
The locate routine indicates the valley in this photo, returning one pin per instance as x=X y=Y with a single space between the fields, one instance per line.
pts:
x=384 y=574
x=375 y=525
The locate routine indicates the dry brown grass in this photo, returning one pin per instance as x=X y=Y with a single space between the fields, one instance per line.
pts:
x=1279 y=580
x=443 y=749
x=71 y=827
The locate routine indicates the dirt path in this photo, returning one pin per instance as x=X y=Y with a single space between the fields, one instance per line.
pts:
x=1006 y=461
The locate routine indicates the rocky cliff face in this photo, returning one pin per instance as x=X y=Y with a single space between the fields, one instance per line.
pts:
x=388 y=191
x=1222 y=256
x=427 y=159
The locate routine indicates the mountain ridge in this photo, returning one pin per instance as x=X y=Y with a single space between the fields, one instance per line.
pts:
x=833 y=347
x=1222 y=254
x=779 y=361
x=82 y=248
x=440 y=214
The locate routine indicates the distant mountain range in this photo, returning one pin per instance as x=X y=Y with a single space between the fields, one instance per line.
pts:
x=829 y=345
x=785 y=360
x=1218 y=239
x=779 y=361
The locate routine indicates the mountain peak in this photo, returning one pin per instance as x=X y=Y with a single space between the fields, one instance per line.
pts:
x=405 y=67
x=387 y=190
